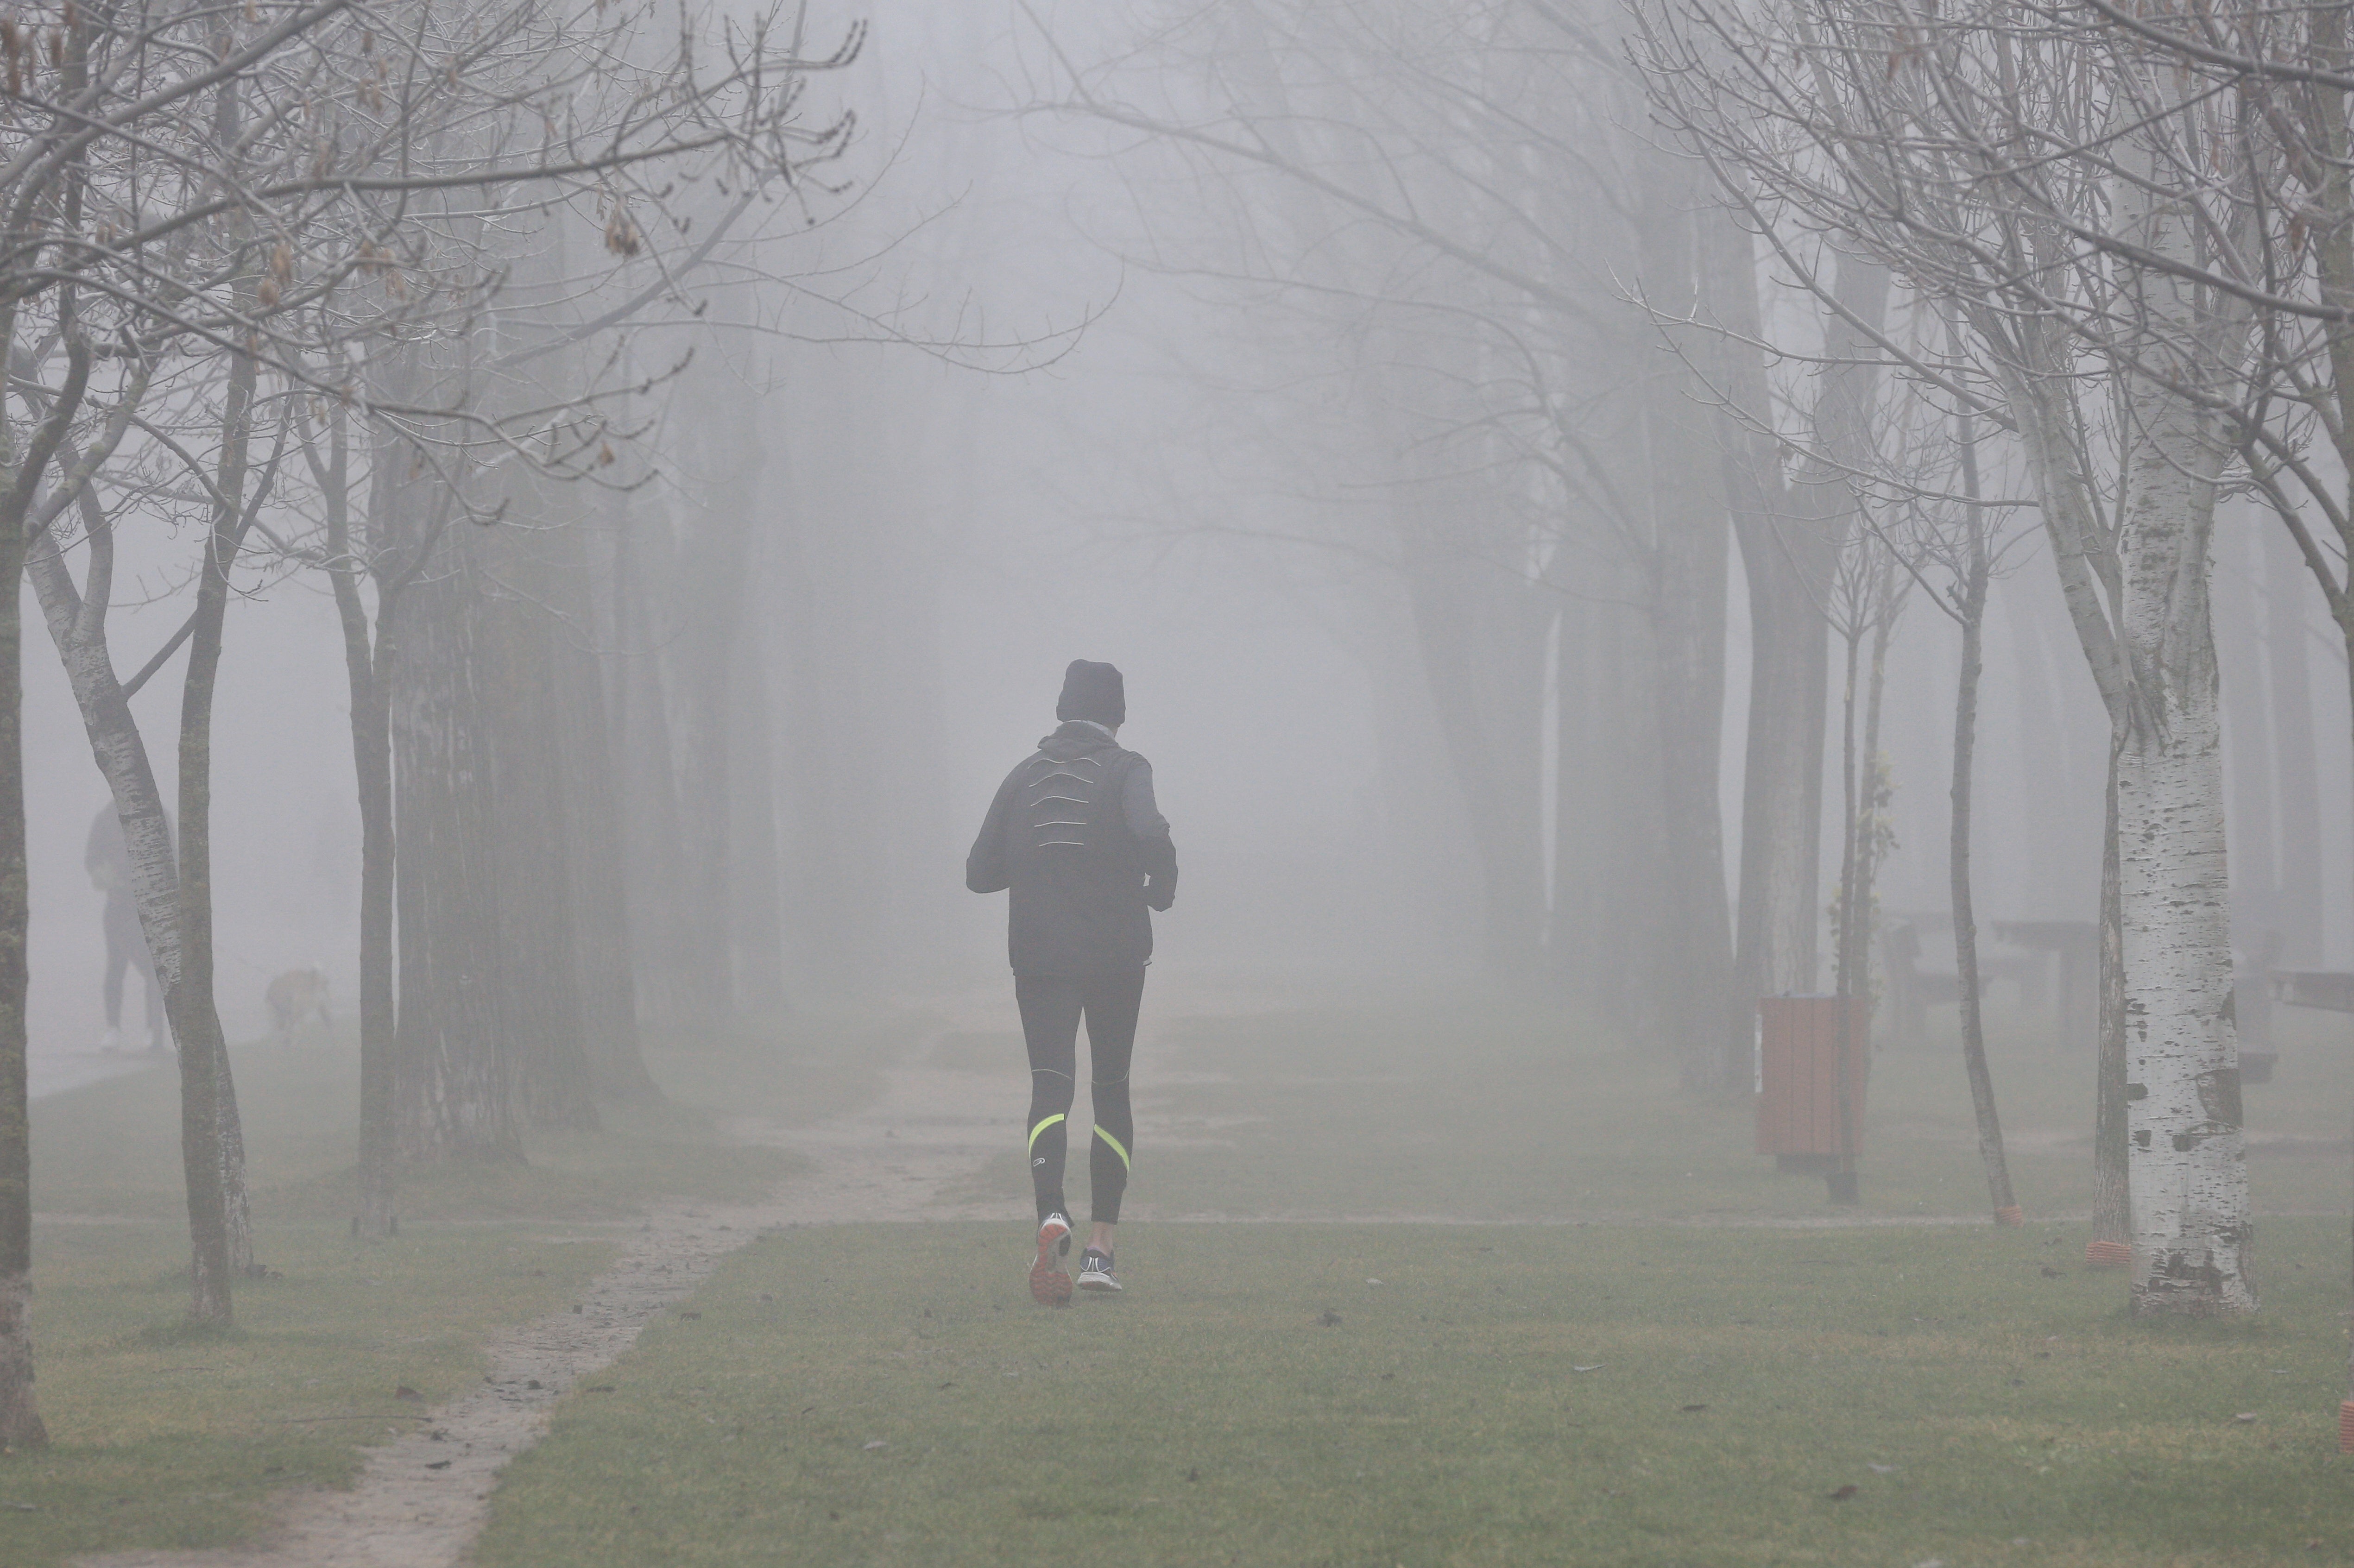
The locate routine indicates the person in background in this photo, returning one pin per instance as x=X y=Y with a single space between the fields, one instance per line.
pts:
x=1074 y=835
x=109 y=865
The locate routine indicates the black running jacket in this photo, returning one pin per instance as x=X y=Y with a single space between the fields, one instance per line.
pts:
x=1075 y=835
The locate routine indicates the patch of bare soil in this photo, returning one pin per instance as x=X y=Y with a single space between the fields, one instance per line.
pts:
x=424 y=1496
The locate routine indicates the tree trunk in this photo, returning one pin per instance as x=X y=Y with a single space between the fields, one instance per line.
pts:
x=2111 y=1243
x=1972 y=609
x=1966 y=924
x=600 y=886
x=1789 y=548
x=20 y=1416
x=2299 y=917
x=367 y=660
x=209 y=1132
x=1844 y=1187
x=2346 y=1410
x=538 y=991
x=1874 y=787
x=706 y=593
x=2186 y=1162
x=1788 y=570
x=1481 y=639
x=454 y=1094
x=77 y=624
x=647 y=776
x=2239 y=644
x=1627 y=900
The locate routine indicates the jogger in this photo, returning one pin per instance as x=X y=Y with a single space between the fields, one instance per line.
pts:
x=1076 y=835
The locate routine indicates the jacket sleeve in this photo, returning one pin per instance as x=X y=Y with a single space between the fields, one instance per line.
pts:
x=984 y=869
x=1157 y=853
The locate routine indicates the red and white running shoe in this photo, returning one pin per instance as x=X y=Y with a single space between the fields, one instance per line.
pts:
x=1049 y=1285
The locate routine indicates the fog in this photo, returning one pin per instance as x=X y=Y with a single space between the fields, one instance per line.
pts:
x=1546 y=527
x=1092 y=431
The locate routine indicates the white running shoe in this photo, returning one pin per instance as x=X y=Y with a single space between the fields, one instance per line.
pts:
x=1049 y=1285
x=1094 y=1271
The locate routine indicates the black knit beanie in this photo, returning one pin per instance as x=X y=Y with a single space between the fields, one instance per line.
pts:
x=1093 y=692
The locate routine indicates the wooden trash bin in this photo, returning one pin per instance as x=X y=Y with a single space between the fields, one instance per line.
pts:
x=1798 y=1054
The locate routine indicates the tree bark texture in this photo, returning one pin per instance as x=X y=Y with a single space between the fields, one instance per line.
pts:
x=454 y=1095
x=1684 y=550
x=2112 y=1198
x=1787 y=567
x=2187 y=1157
x=368 y=654
x=2247 y=712
x=2298 y=915
x=77 y=623
x=1972 y=614
x=1969 y=609
x=1789 y=550
x=20 y=1416
x=1843 y=1188
x=538 y=988
x=209 y=1132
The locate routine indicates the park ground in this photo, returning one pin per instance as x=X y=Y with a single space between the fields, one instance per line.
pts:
x=1410 y=1283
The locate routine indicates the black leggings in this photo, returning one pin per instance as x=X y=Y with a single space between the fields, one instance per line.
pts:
x=1051 y=1009
x=126 y=948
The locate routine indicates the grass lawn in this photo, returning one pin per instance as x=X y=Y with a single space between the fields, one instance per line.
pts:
x=1525 y=1394
x=1447 y=1107
x=161 y=1436
x=112 y=1149
x=164 y=1437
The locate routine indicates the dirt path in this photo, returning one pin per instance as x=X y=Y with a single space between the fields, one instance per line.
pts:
x=423 y=1497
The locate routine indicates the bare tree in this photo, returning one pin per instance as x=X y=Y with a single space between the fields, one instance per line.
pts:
x=1437 y=212
x=1867 y=593
x=1974 y=151
x=1953 y=542
x=190 y=195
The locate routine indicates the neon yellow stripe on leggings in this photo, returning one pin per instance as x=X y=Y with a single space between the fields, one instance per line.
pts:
x=1125 y=1161
x=1041 y=1127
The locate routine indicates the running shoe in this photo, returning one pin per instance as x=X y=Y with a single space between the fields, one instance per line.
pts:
x=1049 y=1285
x=1094 y=1271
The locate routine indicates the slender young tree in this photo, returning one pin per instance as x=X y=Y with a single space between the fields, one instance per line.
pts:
x=1952 y=547
x=1868 y=596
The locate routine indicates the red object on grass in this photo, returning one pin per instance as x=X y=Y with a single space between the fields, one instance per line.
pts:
x=2008 y=1214
x=2108 y=1255
x=2346 y=1425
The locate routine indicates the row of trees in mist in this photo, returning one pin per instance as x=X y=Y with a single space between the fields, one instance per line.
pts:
x=1590 y=301
x=1898 y=297
x=388 y=293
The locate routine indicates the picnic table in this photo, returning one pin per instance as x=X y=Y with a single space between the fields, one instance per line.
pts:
x=2332 y=990
x=2074 y=946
